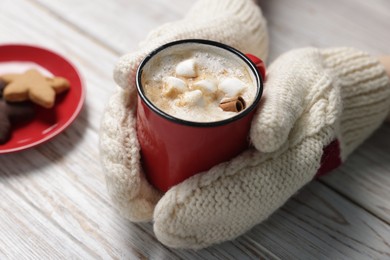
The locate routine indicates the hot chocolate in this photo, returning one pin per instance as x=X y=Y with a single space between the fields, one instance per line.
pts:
x=196 y=101
x=198 y=83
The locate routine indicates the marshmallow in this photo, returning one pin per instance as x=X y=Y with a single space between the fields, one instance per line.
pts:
x=186 y=69
x=192 y=98
x=174 y=86
x=232 y=87
x=206 y=86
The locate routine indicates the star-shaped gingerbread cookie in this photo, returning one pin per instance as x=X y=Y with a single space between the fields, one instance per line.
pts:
x=33 y=86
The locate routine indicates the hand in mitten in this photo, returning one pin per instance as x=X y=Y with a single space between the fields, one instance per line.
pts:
x=318 y=106
x=238 y=23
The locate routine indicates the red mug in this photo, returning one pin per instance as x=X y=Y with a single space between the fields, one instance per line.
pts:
x=173 y=149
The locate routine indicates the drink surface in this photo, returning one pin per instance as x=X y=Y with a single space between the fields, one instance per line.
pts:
x=194 y=82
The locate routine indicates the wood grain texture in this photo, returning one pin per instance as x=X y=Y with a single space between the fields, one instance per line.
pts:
x=301 y=23
x=365 y=177
x=324 y=226
x=120 y=25
x=54 y=202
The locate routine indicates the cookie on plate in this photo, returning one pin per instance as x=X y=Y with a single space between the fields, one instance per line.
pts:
x=32 y=85
x=12 y=113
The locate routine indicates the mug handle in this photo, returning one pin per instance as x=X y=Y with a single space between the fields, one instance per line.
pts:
x=258 y=63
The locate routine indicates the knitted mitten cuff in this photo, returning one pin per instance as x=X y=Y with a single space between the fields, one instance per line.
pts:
x=364 y=90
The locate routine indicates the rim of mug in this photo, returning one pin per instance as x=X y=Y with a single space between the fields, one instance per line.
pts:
x=150 y=104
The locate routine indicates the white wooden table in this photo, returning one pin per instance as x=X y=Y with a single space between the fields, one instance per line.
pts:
x=53 y=199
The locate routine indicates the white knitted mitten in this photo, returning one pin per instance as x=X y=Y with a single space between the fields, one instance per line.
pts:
x=319 y=105
x=238 y=23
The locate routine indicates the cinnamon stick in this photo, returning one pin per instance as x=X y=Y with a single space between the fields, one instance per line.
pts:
x=235 y=104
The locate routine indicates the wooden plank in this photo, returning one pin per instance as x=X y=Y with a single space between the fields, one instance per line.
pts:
x=301 y=23
x=117 y=24
x=22 y=238
x=80 y=212
x=364 y=178
x=319 y=224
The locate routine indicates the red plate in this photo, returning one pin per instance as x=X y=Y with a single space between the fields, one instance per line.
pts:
x=47 y=123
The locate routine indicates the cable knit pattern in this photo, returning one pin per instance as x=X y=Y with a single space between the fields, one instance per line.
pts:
x=307 y=105
x=238 y=23
x=364 y=88
x=296 y=93
x=234 y=196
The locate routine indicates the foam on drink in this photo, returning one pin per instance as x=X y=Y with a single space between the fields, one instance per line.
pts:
x=189 y=81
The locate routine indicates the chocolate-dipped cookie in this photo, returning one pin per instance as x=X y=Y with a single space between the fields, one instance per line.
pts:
x=11 y=113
